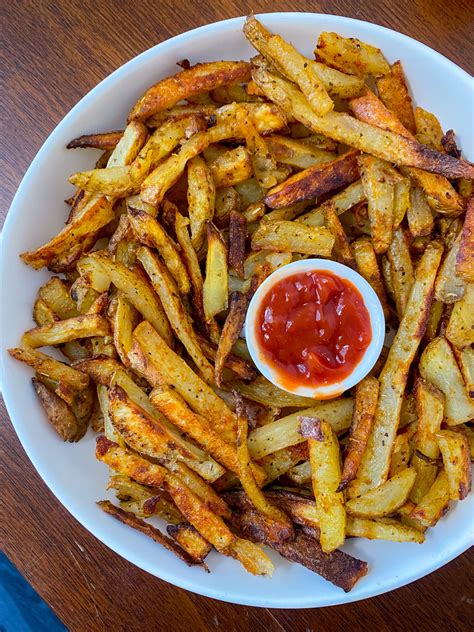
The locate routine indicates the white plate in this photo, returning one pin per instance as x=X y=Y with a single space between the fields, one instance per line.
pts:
x=37 y=212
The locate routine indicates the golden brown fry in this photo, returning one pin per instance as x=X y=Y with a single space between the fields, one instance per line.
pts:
x=449 y=286
x=314 y=181
x=342 y=249
x=465 y=255
x=428 y=129
x=393 y=91
x=285 y=236
x=401 y=202
x=383 y=529
x=419 y=215
x=342 y=201
x=231 y=167
x=434 y=503
x=42 y=314
x=375 y=464
x=55 y=294
x=105 y=140
x=227 y=200
x=191 y=541
x=368 y=267
x=385 y=499
x=201 y=199
x=351 y=55
x=366 y=396
x=460 y=328
x=297 y=153
x=215 y=287
x=400 y=454
x=244 y=368
x=59 y=413
x=289 y=62
x=83 y=326
x=401 y=269
x=51 y=368
x=263 y=163
x=191 y=81
x=230 y=332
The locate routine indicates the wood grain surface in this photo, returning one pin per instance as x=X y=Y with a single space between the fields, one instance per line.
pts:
x=53 y=53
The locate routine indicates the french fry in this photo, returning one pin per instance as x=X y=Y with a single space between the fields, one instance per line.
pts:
x=342 y=249
x=419 y=216
x=434 y=503
x=401 y=202
x=289 y=62
x=378 y=185
x=375 y=464
x=296 y=153
x=59 y=414
x=177 y=315
x=460 y=328
x=285 y=236
x=366 y=396
x=465 y=255
x=326 y=478
x=368 y=267
x=175 y=372
x=428 y=129
x=314 y=181
x=243 y=368
x=201 y=199
x=191 y=81
x=284 y=432
x=83 y=326
x=393 y=91
x=237 y=236
x=454 y=448
x=342 y=201
x=351 y=55
x=252 y=558
x=51 y=368
x=230 y=332
x=438 y=365
x=383 y=529
x=105 y=140
x=267 y=117
x=400 y=454
x=190 y=540
x=150 y=233
x=136 y=289
x=450 y=286
x=401 y=270
x=384 y=499
x=227 y=201
x=56 y=296
x=231 y=167
x=465 y=360
x=367 y=138
x=264 y=392
x=215 y=287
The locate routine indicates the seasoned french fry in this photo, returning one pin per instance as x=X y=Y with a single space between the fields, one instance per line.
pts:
x=401 y=270
x=342 y=249
x=351 y=55
x=55 y=294
x=296 y=153
x=230 y=332
x=264 y=392
x=326 y=478
x=368 y=267
x=227 y=201
x=379 y=190
x=460 y=328
x=105 y=141
x=285 y=236
x=385 y=499
x=289 y=62
x=419 y=216
x=401 y=202
x=454 y=448
x=366 y=396
x=201 y=199
x=284 y=432
x=342 y=201
x=449 y=285
x=243 y=368
x=191 y=81
x=191 y=541
x=465 y=255
x=83 y=326
x=150 y=232
x=215 y=287
x=59 y=413
x=375 y=464
x=51 y=368
x=465 y=360
x=393 y=91
x=400 y=454
x=237 y=236
x=177 y=315
x=428 y=129
x=231 y=167
x=314 y=181
x=438 y=365
x=383 y=529
x=434 y=503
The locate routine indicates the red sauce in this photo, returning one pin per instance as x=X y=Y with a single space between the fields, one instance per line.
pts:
x=313 y=329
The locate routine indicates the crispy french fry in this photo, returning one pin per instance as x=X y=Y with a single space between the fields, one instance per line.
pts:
x=351 y=55
x=191 y=541
x=428 y=129
x=400 y=454
x=230 y=332
x=289 y=62
x=326 y=478
x=454 y=448
x=83 y=326
x=434 y=503
x=237 y=236
x=242 y=367
x=384 y=499
x=177 y=315
x=393 y=91
x=284 y=432
x=368 y=267
x=231 y=167
x=227 y=201
x=296 y=153
x=375 y=464
x=215 y=287
x=401 y=270
x=438 y=365
x=383 y=529
x=191 y=81
x=449 y=285
x=314 y=181
x=465 y=360
x=201 y=199
x=59 y=414
x=264 y=392
x=465 y=255
x=285 y=236
x=460 y=328
x=379 y=190
x=366 y=396
x=51 y=368
x=344 y=128
x=342 y=201
x=419 y=216
x=150 y=232
x=401 y=202
x=342 y=249
x=105 y=141
x=55 y=294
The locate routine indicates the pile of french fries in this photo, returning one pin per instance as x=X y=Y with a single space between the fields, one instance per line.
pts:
x=225 y=172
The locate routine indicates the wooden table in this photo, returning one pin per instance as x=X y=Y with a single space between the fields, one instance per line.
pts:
x=55 y=53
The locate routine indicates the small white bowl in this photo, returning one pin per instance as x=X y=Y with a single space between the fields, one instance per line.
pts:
x=372 y=303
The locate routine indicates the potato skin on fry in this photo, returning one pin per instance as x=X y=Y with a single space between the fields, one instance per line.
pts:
x=465 y=256
x=314 y=181
x=188 y=82
x=105 y=140
x=59 y=413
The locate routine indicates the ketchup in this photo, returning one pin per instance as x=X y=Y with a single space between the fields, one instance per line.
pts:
x=313 y=329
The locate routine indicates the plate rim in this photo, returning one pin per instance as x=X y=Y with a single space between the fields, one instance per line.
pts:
x=94 y=529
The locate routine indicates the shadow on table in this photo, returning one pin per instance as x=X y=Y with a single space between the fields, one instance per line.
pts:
x=21 y=608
